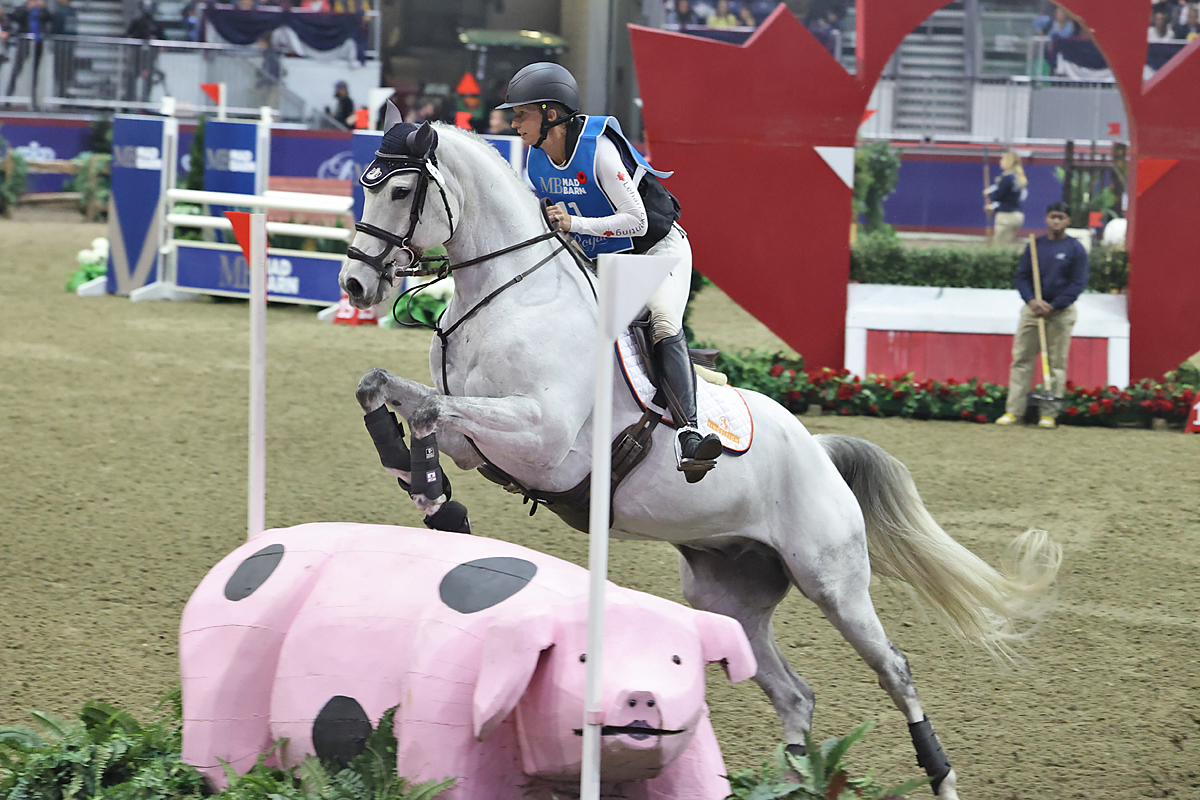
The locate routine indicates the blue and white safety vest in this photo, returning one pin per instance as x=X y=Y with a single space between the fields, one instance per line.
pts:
x=574 y=184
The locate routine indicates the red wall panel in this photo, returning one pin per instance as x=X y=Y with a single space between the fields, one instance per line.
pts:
x=972 y=355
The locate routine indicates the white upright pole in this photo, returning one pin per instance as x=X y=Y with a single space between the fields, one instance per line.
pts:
x=258 y=374
x=221 y=101
x=598 y=522
x=619 y=294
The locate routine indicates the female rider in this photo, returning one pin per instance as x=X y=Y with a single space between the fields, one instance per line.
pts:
x=610 y=199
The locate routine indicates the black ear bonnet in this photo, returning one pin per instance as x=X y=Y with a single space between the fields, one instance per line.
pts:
x=405 y=148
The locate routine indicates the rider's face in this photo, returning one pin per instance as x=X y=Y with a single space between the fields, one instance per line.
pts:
x=527 y=122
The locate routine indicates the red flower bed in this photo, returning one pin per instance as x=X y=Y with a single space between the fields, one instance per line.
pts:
x=973 y=400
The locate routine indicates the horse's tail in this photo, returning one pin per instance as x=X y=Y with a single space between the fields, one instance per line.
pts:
x=978 y=603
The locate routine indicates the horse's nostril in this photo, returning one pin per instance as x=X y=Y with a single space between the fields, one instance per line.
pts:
x=354 y=288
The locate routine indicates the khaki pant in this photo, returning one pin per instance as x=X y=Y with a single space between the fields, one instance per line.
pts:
x=1026 y=352
x=1007 y=224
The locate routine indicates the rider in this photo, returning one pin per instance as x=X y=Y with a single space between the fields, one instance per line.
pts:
x=616 y=204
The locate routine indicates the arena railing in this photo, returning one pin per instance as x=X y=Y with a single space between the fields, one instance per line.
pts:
x=131 y=75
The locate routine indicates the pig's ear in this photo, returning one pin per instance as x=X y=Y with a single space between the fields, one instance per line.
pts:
x=722 y=639
x=511 y=650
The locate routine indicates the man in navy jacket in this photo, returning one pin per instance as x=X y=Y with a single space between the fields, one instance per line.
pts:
x=1063 y=264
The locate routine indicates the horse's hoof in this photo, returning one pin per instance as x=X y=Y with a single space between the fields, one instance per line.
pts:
x=798 y=750
x=452 y=516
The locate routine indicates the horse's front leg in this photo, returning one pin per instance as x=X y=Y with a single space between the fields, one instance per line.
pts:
x=379 y=389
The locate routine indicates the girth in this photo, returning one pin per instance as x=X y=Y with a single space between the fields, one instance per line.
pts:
x=629 y=449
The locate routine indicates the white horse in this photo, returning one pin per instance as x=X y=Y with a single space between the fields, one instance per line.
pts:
x=513 y=384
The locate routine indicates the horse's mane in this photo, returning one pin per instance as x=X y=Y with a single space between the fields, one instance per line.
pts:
x=484 y=149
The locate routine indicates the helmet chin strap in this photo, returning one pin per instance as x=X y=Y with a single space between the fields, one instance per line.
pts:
x=547 y=125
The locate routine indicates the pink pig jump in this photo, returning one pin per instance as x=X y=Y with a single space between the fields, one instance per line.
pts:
x=310 y=633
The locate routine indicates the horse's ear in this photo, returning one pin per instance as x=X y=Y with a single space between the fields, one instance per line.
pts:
x=422 y=140
x=391 y=116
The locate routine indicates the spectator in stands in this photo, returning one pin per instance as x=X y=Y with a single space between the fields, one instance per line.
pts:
x=343 y=112
x=1063 y=264
x=683 y=14
x=824 y=28
x=746 y=17
x=1005 y=197
x=144 y=65
x=428 y=109
x=1160 y=28
x=722 y=17
x=192 y=15
x=33 y=18
x=65 y=22
x=499 y=124
x=1190 y=27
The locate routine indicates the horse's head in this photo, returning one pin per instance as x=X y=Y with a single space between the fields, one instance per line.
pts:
x=401 y=216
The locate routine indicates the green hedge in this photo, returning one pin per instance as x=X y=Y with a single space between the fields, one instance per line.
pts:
x=882 y=258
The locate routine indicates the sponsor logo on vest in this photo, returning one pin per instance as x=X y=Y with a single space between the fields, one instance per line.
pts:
x=721 y=426
x=235 y=275
x=561 y=186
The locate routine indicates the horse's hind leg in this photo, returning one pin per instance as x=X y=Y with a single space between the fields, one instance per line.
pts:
x=747 y=588
x=845 y=600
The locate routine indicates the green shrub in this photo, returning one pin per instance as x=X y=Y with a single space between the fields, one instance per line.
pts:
x=881 y=258
x=106 y=754
x=819 y=775
x=93 y=181
x=12 y=183
x=876 y=171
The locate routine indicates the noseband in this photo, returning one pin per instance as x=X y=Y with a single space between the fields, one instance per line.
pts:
x=425 y=168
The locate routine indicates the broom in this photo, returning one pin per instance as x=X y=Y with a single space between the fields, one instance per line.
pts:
x=1045 y=401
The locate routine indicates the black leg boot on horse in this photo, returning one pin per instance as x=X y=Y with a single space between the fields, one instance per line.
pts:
x=388 y=435
x=695 y=453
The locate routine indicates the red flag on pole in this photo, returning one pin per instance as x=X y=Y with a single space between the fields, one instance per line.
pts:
x=241 y=230
x=213 y=90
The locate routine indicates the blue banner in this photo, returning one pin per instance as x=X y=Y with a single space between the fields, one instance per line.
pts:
x=362 y=148
x=292 y=276
x=137 y=187
x=46 y=140
x=231 y=157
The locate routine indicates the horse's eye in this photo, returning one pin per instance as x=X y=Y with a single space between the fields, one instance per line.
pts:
x=400 y=192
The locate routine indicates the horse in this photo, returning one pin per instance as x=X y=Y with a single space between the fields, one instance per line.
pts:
x=512 y=393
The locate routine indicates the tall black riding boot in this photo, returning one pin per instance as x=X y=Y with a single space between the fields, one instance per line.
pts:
x=697 y=453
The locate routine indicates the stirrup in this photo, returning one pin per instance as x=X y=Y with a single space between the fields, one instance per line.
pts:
x=693 y=469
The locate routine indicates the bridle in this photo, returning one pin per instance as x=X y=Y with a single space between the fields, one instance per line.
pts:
x=426 y=169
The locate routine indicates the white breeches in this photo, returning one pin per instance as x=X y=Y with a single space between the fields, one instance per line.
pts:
x=670 y=298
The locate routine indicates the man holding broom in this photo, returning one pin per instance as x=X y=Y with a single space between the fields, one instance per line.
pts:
x=1063 y=266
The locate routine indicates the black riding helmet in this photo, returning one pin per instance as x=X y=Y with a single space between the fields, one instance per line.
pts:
x=541 y=83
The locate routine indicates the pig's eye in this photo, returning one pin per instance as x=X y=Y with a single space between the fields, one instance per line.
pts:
x=583 y=657
x=650 y=703
x=632 y=702
x=677 y=659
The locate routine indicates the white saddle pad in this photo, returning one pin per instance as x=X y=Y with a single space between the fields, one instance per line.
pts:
x=720 y=409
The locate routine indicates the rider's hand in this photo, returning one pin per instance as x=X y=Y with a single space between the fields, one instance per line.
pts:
x=558 y=217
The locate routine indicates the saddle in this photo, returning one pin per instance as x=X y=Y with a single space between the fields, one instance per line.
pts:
x=629 y=448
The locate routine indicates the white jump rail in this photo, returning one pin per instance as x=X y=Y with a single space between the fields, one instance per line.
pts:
x=286 y=201
x=286 y=228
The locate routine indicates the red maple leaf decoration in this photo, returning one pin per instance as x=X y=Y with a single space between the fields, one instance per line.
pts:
x=620 y=176
x=609 y=233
